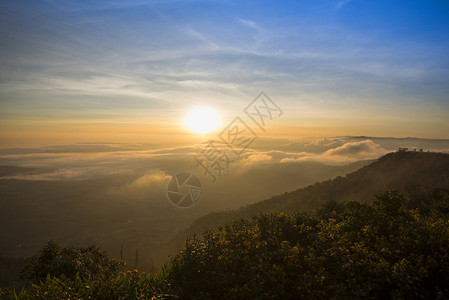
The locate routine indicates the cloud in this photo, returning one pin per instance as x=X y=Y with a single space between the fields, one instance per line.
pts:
x=132 y=161
x=343 y=3
x=347 y=153
x=258 y=158
x=150 y=178
x=365 y=149
x=57 y=175
x=151 y=185
x=201 y=37
x=170 y=55
x=322 y=144
x=250 y=24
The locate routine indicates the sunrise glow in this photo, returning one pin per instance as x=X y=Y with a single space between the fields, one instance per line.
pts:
x=202 y=120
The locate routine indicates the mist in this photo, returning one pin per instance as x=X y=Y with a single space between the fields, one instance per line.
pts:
x=115 y=195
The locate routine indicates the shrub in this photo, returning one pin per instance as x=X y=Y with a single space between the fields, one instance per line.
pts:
x=358 y=250
x=70 y=262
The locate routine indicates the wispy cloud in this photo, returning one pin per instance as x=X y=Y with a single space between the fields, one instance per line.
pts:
x=343 y=3
x=250 y=24
x=122 y=57
x=201 y=37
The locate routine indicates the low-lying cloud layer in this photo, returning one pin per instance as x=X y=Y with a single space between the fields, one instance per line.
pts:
x=86 y=161
x=347 y=153
x=117 y=192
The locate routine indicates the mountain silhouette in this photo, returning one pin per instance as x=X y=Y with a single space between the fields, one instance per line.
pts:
x=405 y=171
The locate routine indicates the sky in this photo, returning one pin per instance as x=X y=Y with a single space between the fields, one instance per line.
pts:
x=128 y=71
x=94 y=97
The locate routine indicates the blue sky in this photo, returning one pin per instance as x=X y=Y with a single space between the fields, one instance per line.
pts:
x=336 y=67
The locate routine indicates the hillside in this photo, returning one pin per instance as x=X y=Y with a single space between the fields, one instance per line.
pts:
x=286 y=242
x=392 y=247
x=405 y=171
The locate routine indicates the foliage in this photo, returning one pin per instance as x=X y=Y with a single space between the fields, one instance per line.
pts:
x=70 y=262
x=393 y=247
x=4 y=292
x=124 y=285
x=355 y=250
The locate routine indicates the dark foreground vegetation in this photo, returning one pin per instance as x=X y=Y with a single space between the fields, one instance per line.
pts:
x=392 y=247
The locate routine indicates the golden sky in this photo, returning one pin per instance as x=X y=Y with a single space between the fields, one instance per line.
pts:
x=129 y=71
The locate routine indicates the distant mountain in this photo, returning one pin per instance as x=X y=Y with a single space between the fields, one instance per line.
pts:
x=401 y=170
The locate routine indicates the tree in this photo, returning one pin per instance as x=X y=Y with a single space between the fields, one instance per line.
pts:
x=354 y=250
x=70 y=262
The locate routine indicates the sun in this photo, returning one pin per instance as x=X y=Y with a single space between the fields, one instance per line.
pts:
x=202 y=120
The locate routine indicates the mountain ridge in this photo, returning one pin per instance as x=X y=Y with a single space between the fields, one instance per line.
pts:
x=400 y=170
